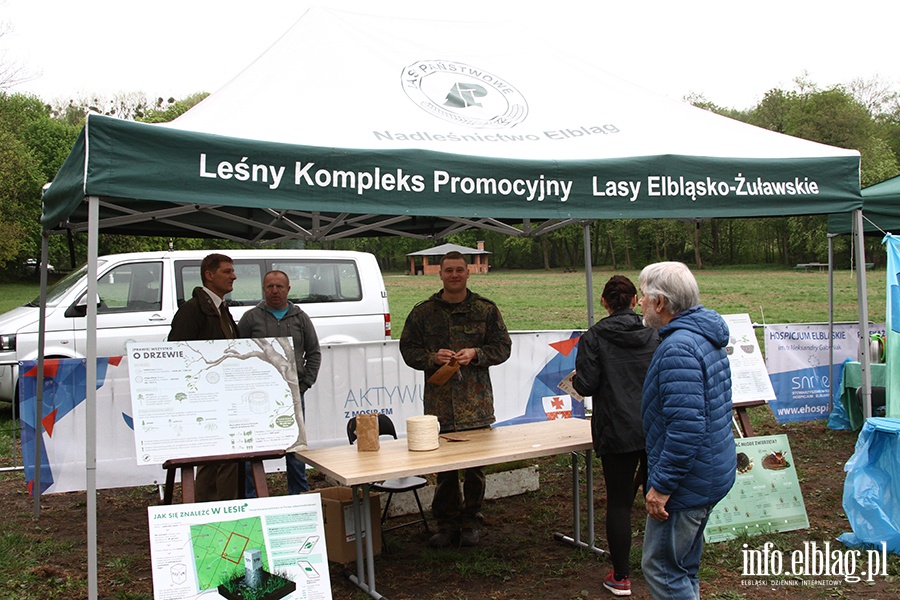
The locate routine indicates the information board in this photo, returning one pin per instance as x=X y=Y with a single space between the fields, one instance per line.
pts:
x=766 y=495
x=275 y=544
x=750 y=381
x=799 y=358
x=209 y=398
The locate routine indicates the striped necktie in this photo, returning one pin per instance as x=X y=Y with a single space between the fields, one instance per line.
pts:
x=227 y=323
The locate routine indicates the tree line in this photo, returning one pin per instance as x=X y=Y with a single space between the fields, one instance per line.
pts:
x=36 y=136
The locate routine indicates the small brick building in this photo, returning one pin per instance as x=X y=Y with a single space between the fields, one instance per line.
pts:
x=478 y=263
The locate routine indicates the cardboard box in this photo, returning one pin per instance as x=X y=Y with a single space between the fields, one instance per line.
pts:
x=337 y=513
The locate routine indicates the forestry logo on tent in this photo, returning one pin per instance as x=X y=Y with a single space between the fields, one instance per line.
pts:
x=463 y=94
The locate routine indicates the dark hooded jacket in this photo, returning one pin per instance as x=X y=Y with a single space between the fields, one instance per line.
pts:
x=612 y=360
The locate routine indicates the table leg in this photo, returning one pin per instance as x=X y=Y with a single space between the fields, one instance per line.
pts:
x=357 y=526
x=576 y=501
x=589 y=482
x=365 y=565
x=575 y=539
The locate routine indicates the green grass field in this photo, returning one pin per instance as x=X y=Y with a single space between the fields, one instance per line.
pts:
x=17 y=294
x=535 y=300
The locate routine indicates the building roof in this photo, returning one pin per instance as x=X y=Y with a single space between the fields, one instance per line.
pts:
x=445 y=248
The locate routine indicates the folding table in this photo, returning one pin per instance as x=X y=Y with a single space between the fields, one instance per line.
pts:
x=460 y=450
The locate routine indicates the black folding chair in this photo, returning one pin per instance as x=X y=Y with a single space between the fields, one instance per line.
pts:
x=393 y=486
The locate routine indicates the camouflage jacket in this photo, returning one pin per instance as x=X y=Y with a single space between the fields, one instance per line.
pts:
x=467 y=400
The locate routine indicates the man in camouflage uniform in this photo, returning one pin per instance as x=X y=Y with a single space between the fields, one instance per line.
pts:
x=456 y=323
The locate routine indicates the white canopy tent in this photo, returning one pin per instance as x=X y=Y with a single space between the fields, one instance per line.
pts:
x=360 y=125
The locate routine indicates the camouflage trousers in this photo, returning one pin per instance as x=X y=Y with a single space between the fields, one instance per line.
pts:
x=454 y=510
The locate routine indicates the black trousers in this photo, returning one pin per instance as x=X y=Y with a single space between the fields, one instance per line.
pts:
x=623 y=473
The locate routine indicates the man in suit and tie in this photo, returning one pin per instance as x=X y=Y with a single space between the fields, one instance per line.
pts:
x=205 y=317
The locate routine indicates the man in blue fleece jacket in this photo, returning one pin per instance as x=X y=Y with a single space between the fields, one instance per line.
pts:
x=686 y=411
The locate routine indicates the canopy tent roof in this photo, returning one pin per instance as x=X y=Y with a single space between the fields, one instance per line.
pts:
x=445 y=248
x=360 y=125
x=881 y=210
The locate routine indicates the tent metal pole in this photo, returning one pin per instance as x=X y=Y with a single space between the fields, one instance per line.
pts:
x=39 y=404
x=91 y=394
x=859 y=238
x=588 y=272
x=830 y=322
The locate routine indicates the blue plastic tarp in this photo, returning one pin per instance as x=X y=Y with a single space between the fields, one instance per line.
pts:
x=872 y=488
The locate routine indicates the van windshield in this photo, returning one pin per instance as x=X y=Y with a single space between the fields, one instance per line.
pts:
x=61 y=288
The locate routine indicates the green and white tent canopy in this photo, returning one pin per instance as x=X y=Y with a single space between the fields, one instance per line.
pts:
x=361 y=125
x=881 y=210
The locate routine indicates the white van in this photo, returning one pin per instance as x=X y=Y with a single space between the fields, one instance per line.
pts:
x=343 y=292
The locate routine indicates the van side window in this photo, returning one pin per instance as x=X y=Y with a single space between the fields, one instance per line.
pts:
x=132 y=287
x=247 y=287
x=322 y=280
x=312 y=280
x=187 y=277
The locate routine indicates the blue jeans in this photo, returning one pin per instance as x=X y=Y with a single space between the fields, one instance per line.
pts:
x=672 y=550
x=296 y=477
x=296 y=470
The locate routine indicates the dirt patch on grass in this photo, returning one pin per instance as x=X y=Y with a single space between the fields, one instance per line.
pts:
x=518 y=558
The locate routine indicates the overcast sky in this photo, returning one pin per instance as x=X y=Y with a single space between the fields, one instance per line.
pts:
x=731 y=52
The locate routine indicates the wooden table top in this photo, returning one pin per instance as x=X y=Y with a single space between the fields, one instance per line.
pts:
x=460 y=450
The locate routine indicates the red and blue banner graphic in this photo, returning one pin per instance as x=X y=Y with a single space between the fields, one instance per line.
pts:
x=65 y=388
x=354 y=378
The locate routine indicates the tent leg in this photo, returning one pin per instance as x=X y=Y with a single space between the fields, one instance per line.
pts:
x=91 y=395
x=830 y=323
x=39 y=404
x=858 y=236
x=588 y=272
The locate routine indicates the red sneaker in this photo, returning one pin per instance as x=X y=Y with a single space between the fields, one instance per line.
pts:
x=619 y=587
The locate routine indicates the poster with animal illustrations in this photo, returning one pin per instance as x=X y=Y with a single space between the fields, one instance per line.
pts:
x=766 y=494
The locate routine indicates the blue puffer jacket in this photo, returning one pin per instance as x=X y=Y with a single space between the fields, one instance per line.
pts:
x=686 y=409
